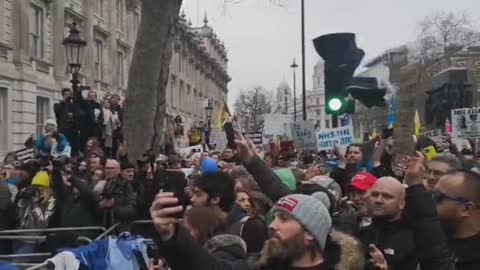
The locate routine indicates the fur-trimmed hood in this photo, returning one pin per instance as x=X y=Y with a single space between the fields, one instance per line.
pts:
x=342 y=252
x=351 y=254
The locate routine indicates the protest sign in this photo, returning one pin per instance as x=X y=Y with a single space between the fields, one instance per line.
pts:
x=329 y=138
x=186 y=151
x=277 y=124
x=255 y=137
x=303 y=133
x=218 y=139
x=466 y=123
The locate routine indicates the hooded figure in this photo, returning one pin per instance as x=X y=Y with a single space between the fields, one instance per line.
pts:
x=51 y=141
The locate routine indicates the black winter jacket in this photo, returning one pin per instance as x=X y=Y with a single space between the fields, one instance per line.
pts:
x=183 y=253
x=430 y=240
x=394 y=239
x=76 y=205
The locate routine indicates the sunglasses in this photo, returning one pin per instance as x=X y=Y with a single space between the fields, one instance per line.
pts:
x=439 y=197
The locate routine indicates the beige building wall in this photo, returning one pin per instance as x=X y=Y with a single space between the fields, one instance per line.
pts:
x=33 y=63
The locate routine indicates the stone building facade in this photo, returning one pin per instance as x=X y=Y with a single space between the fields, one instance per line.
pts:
x=198 y=73
x=33 y=62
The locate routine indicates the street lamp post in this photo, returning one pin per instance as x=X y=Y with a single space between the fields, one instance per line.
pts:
x=208 y=113
x=304 y=91
x=74 y=47
x=294 y=67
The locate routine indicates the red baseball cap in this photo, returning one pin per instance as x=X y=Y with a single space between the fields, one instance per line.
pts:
x=363 y=181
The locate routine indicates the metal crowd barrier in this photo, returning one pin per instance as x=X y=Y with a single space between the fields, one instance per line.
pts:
x=38 y=260
x=32 y=259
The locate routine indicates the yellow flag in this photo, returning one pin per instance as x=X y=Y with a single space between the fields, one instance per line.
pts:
x=223 y=114
x=417 y=123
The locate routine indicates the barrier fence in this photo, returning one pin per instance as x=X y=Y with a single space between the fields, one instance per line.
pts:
x=38 y=260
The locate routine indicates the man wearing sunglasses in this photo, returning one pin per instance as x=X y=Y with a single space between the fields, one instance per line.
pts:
x=457 y=199
x=448 y=224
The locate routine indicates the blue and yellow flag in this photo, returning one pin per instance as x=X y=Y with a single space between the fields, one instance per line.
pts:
x=391 y=112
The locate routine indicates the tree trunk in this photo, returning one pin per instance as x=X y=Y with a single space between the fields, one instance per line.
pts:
x=149 y=71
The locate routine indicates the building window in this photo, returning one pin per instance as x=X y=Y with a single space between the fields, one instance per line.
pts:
x=327 y=123
x=2 y=19
x=119 y=8
x=99 y=8
x=3 y=120
x=181 y=97
x=318 y=113
x=98 y=60
x=179 y=55
x=36 y=32
x=43 y=113
x=136 y=22
x=121 y=69
x=173 y=102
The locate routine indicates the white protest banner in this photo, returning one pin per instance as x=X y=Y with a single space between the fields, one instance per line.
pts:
x=255 y=137
x=186 y=151
x=466 y=123
x=329 y=138
x=277 y=124
x=218 y=139
x=304 y=136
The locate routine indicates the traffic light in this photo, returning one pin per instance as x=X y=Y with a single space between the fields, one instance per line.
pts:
x=367 y=91
x=339 y=105
x=342 y=57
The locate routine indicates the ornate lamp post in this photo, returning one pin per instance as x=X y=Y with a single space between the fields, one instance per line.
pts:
x=294 y=66
x=208 y=113
x=74 y=48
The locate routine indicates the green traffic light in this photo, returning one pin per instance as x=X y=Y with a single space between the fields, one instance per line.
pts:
x=335 y=104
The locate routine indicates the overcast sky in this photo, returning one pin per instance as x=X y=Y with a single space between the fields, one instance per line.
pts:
x=263 y=37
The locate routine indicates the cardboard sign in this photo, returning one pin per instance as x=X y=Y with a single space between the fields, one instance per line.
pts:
x=466 y=123
x=304 y=136
x=277 y=124
x=255 y=137
x=218 y=139
x=329 y=138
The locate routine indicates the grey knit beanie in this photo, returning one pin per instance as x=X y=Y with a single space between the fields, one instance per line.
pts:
x=309 y=212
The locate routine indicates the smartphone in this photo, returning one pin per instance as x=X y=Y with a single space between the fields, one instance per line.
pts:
x=229 y=131
x=429 y=152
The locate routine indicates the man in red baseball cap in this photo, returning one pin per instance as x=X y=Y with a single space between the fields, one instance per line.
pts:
x=358 y=190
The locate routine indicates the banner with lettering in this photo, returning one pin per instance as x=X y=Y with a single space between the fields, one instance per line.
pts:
x=255 y=137
x=466 y=123
x=328 y=138
x=304 y=136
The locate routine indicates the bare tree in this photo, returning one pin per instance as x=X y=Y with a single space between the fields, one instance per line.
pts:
x=443 y=34
x=251 y=105
x=148 y=77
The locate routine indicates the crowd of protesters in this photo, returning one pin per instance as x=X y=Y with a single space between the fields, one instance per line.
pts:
x=233 y=210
